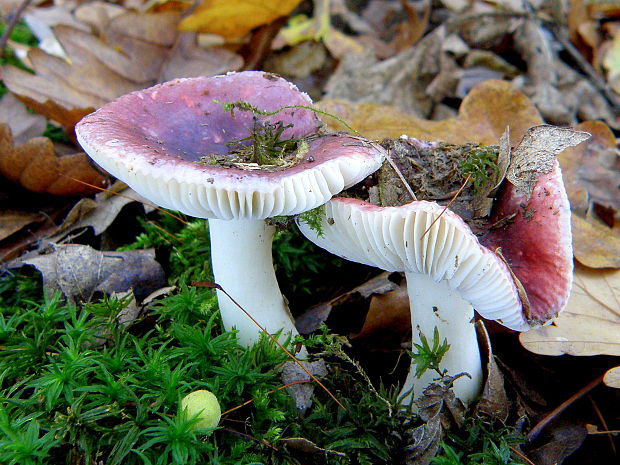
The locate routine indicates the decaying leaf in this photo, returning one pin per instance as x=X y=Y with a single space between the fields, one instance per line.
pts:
x=536 y=153
x=590 y=323
x=302 y=393
x=130 y=52
x=612 y=378
x=595 y=244
x=98 y=213
x=78 y=271
x=12 y=221
x=493 y=403
x=24 y=124
x=234 y=20
x=36 y=166
x=439 y=409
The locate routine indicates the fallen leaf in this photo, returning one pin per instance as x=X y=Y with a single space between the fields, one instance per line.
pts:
x=536 y=153
x=132 y=51
x=388 y=316
x=483 y=117
x=234 y=20
x=24 y=124
x=590 y=323
x=302 y=393
x=612 y=378
x=315 y=316
x=189 y=60
x=591 y=173
x=12 y=221
x=78 y=271
x=36 y=166
x=594 y=244
x=98 y=213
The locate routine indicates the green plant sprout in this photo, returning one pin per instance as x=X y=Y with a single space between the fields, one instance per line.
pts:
x=481 y=166
x=427 y=357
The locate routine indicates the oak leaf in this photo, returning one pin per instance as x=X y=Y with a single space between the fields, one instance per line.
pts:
x=590 y=323
x=36 y=166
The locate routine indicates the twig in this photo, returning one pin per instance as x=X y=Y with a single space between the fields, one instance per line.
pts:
x=388 y=157
x=521 y=455
x=269 y=392
x=15 y=17
x=449 y=203
x=542 y=424
x=601 y=418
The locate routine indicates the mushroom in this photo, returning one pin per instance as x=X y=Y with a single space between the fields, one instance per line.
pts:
x=161 y=142
x=450 y=273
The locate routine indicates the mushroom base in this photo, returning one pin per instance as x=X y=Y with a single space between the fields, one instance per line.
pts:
x=433 y=305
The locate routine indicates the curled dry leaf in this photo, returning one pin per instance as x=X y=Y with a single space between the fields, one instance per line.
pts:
x=36 y=166
x=536 y=154
x=590 y=323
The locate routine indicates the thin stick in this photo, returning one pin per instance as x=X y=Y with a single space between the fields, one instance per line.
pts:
x=11 y=24
x=449 y=203
x=273 y=339
x=601 y=418
x=521 y=455
x=388 y=157
x=303 y=381
x=542 y=424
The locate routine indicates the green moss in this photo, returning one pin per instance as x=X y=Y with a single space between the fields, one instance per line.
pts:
x=481 y=166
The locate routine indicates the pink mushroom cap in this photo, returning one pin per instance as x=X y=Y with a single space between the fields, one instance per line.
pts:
x=154 y=140
x=537 y=242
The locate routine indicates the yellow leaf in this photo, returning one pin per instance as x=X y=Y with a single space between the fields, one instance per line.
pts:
x=590 y=323
x=483 y=117
x=233 y=20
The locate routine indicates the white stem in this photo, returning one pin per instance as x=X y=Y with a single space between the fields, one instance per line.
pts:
x=243 y=266
x=437 y=305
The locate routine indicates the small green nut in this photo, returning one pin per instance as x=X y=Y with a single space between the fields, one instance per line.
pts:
x=204 y=405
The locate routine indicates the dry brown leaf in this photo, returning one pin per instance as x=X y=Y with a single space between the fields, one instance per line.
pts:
x=388 y=313
x=612 y=378
x=590 y=323
x=128 y=54
x=591 y=174
x=483 y=117
x=536 y=154
x=24 y=124
x=12 y=221
x=594 y=244
x=78 y=271
x=36 y=166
